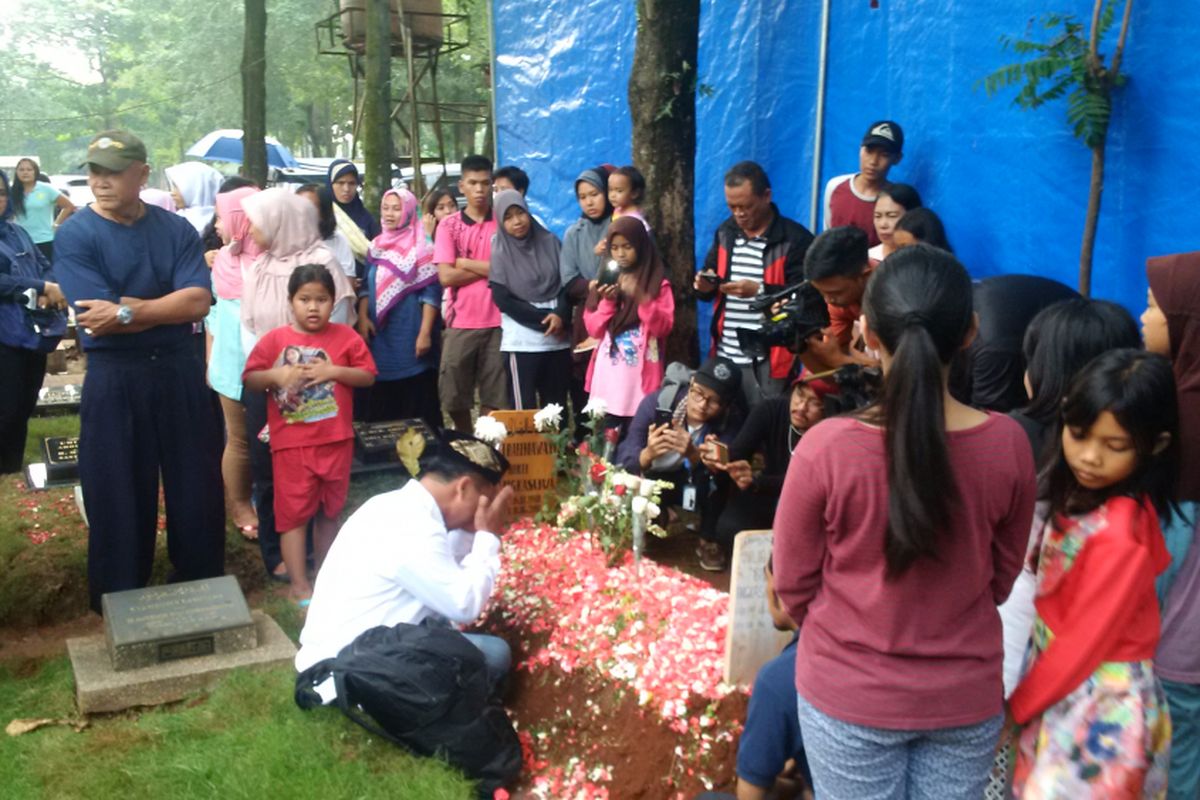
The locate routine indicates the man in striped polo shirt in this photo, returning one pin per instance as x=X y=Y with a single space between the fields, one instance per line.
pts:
x=756 y=251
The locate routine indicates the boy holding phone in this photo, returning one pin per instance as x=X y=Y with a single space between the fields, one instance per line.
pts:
x=665 y=439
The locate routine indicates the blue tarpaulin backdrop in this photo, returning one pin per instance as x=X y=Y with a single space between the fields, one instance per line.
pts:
x=1010 y=185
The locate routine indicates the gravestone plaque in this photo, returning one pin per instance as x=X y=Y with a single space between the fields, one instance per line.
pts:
x=531 y=459
x=181 y=620
x=375 y=442
x=751 y=639
x=62 y=458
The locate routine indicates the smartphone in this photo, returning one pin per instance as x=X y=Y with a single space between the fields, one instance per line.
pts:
x=663 y=416
x=722 y=452
x=712 y=277
x=608 y=274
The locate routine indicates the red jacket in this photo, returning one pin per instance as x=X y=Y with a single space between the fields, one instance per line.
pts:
x=783 y=265
x=1102 y=608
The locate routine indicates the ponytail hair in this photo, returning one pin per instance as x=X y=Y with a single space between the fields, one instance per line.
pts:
x=919 y=304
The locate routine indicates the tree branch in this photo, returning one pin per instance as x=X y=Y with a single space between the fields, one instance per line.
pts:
x=1093 y=41
x=1116 y=61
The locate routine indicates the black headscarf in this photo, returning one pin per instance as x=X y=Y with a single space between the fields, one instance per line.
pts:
x=355 y=208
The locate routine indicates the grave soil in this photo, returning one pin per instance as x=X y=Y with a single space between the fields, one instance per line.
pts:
x=615 y=732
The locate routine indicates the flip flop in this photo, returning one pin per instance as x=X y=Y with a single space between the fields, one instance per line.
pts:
x=249 y=532
x=280 y=577
x=304 y=604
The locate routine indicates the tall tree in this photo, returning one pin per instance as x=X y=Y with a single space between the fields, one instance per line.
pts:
x=376 y=135
x=254 y=92
x=1070 y=65
x=662 y=104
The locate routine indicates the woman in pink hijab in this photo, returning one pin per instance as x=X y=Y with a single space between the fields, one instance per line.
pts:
x=227 y=358
x=285 y=227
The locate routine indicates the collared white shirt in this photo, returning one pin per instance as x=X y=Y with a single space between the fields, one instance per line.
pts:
x=394 y=561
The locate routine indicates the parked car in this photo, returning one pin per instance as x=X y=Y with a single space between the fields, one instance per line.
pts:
x=75 y=187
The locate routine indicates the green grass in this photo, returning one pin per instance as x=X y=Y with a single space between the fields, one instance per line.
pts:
x=246 y=739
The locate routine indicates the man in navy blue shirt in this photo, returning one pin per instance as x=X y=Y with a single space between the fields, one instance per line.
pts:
x=770 y=754
x=136 y=276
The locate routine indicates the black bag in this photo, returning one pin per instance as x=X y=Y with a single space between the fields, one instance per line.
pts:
x=425 y=689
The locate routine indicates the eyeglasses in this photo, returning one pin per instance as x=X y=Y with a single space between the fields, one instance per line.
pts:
x=708 y=400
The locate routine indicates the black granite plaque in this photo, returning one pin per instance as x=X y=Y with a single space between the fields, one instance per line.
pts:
x=62 y=458
x=375 y=442
x=181 y=620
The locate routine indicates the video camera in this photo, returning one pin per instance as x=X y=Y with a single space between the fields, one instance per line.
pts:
x=858 y=387
x=802 y=314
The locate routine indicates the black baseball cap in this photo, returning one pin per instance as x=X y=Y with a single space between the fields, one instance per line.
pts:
x=722 y=376
x=885 y=134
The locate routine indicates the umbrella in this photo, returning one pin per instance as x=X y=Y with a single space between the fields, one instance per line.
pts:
x=226 y=145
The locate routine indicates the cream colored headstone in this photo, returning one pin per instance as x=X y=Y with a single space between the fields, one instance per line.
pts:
x=751 y=639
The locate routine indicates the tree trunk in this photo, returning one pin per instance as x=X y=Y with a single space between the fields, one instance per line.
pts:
x=254 y=92
x=1093 y=217
x=376 y=131
x=662 y=104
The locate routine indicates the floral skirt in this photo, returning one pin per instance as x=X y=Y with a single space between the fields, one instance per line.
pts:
x=1110 y=739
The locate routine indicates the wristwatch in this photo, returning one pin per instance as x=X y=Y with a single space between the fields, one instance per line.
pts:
x=124 y=315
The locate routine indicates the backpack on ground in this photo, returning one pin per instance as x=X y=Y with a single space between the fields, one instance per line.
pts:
x=425 y=689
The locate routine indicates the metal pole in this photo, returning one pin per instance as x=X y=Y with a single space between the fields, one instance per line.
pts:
x=491 y=34
x=414 y=139
x=819 y=124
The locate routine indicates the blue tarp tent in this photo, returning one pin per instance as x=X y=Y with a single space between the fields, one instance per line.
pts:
x=1010 y=185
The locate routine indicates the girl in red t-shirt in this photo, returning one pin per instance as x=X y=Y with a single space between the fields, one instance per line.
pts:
x=310 y=368
x=1094 y=715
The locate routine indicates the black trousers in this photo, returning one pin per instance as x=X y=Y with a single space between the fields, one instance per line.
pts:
x=537 y=379
x=147 y=413
x=711 y=496
x=23 y=371
x=415 y=397
x=745 y=511
x=262 y=478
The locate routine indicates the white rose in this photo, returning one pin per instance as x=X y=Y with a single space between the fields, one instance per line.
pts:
x=548 y=419
x=652 y=510
x=648 y=488
x=490 y=430
x=639 y=505
x=596 y=408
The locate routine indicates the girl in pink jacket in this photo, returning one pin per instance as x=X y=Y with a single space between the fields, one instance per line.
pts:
x=630 y=318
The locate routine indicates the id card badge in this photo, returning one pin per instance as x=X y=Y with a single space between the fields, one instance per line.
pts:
x=689 y=498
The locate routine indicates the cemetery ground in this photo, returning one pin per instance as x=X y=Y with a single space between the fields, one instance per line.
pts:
x=586 y=730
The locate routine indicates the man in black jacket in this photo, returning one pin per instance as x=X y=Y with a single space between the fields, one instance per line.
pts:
x=756 y=251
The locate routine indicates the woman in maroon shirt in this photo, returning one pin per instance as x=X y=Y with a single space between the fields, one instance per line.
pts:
x=897 y=534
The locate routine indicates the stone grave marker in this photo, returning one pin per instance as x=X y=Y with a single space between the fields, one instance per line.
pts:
x=531 y=458
x=62 y=458
x=163 y=642
x=180 y=620
x=751 y=639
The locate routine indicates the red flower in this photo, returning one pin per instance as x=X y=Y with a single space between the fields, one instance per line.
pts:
x=597 y=472
x=583 y=449
x=619 y=490
x=612 y=435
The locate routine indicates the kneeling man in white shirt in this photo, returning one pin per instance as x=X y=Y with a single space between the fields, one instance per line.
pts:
x=427 y=553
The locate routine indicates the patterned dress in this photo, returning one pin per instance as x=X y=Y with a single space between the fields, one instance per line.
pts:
x=1110 y=737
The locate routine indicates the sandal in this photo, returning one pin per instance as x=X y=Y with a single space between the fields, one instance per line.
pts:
x=249 y=532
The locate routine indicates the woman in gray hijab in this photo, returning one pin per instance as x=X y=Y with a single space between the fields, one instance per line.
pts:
x=528 y=289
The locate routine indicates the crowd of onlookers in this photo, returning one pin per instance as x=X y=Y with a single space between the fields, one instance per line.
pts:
x=978 y=490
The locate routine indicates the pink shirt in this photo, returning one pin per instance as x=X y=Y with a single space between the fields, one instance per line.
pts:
x=923 y=650
x=459 y=236
x=622 y=376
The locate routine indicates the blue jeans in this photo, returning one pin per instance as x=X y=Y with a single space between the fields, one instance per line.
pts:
x=1184 y=702
x=855 y=762
x=496 y=655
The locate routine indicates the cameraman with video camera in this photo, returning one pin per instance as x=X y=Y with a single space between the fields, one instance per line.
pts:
x=755 y=251
x=837 y=265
